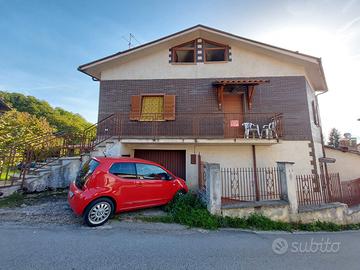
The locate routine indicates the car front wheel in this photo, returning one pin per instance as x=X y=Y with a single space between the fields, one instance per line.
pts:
x=98 y=212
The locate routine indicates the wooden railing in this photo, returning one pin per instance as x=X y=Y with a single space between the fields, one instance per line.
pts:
x=193 y=125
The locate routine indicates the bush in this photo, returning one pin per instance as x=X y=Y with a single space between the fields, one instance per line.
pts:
x=261 y=222
x=189 y=210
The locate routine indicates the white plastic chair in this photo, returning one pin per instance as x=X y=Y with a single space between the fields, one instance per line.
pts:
x=250 y=127
x=269 y=130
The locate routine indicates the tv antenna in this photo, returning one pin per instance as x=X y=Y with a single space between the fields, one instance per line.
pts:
x=130 y=40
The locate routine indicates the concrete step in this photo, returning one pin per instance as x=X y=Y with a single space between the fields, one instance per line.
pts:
x=39 y=172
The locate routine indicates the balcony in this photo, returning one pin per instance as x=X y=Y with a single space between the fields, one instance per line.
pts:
x=194 y=127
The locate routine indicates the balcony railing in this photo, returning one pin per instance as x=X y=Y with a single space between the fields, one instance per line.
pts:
x=194 y=126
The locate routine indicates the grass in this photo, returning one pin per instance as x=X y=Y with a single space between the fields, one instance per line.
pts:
x=17 y=199
x=3 y=175
x=190 y=211
x=14 y=200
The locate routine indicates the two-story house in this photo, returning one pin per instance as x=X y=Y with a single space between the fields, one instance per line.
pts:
x=202 y=94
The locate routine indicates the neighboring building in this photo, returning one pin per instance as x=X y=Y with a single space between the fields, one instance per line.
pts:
x=3 y=107
x=348 y=142
x=190 y=95
x=347 y=163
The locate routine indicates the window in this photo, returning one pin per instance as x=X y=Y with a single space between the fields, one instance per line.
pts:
x=184 y=53
x=151 y=172
x=215 y=52
x=315 y=113
x=152 y=108
x=124 y=170
x=86 y=170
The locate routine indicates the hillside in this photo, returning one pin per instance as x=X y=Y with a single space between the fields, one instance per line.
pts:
x=58 y=118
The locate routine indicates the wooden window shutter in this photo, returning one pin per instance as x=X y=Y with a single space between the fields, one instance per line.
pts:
x=169 y=107
x=135 y=108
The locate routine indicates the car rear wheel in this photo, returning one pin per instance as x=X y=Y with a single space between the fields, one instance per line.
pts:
x=98 y=212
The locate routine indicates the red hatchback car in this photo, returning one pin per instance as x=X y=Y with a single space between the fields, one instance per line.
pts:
x=105 y=186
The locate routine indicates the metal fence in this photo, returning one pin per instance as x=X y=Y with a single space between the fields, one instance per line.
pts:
x=210 y=125
x=351 y=192
x=319 y=189
x=26 y=158
x=309 y=190
x=249 y=184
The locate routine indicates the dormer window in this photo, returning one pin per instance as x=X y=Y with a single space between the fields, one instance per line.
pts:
x=215 y=52
x=199 y=51
x=184 y=53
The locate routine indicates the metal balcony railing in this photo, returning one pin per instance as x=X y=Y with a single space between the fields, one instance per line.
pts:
x=194 y=126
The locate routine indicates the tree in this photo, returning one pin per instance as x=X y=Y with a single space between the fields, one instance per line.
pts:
x=334 y=138
x=58 y=118
x=17 y=127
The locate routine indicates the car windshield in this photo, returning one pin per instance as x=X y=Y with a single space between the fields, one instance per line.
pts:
x=86 y=170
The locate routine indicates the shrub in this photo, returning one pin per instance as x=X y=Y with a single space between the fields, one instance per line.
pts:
x=189 y=210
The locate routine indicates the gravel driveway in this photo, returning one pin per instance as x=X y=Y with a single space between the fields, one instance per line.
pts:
x=50 y=209
x=54 y=209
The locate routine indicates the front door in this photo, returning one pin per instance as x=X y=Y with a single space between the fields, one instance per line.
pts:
x=233 y=118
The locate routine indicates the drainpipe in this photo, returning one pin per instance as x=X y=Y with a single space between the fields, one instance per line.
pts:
x=321 y=131
x=257 y=192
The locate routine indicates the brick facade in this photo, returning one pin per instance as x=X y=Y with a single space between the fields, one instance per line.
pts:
x=285 y=95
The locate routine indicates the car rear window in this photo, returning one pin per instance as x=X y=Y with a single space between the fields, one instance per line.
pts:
x=124 y=170
x=86 y=170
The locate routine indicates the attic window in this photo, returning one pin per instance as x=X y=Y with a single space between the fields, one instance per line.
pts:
x=215 y=52
x=184 y=53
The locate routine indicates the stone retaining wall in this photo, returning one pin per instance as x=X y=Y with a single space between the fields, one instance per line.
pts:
x=277 y=210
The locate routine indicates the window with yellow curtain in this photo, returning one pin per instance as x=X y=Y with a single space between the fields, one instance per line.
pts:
x=152 y=108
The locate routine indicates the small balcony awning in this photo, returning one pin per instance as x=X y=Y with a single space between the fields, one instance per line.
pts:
x=239 y=82
x=220 y=84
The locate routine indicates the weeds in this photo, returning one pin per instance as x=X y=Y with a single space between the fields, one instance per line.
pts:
x=18 y=198
x=190 y=211
x=15 y=199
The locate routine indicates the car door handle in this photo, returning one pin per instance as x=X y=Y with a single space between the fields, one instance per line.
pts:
x=139 y=184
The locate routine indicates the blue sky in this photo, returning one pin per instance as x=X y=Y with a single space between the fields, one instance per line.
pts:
x=43 y=42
